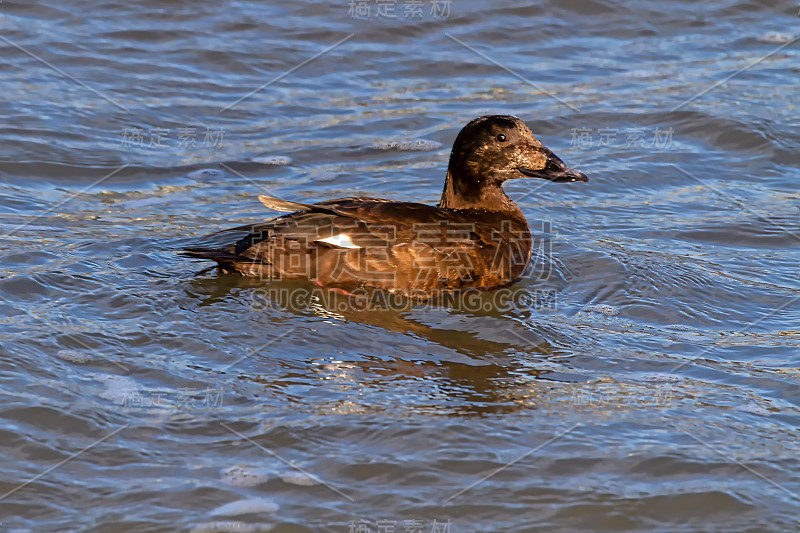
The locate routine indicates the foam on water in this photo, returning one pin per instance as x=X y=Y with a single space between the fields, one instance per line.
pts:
x=420 y=145
x=276 y=160
x=247 y=506
x=245 y=476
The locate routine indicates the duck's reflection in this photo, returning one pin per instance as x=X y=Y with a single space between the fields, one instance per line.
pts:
x=489 y=357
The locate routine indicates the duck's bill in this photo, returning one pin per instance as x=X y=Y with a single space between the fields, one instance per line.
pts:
x=561 y=175
x=567 y=175
x=555 y=170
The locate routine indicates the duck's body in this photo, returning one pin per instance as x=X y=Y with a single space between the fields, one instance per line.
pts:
x=476 y=237
x=403 y=247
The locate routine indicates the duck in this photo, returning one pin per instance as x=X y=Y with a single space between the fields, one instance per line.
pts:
x=476 y=237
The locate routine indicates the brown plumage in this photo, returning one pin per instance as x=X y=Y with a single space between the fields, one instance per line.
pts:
x=476 y=236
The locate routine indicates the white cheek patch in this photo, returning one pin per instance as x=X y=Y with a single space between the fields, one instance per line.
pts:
x=341 y=240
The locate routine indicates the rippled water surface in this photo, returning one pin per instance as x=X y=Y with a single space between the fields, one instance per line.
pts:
x=647 y=380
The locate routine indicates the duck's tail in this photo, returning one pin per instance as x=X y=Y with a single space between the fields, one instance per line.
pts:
x=227 y=261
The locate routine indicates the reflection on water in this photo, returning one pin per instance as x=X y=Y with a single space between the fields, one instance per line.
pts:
x=644 y=377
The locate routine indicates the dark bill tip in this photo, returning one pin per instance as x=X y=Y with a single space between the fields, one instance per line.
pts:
x=557 y=175
x=574 y=175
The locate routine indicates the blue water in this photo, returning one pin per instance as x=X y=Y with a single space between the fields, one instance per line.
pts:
x=644 y=377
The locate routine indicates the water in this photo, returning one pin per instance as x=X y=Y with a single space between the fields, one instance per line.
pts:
x=645 y=380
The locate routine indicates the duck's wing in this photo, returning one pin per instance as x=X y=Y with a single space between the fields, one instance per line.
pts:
x=347 y=223
x=331 y=224
x=277 y=204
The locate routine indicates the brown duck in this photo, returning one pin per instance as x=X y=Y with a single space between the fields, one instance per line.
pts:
x=476 y=237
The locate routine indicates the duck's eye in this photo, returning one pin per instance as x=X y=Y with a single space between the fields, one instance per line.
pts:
x=552 y=166
x=501 y=138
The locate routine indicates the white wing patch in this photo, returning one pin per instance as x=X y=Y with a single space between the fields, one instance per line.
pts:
x=341 y=240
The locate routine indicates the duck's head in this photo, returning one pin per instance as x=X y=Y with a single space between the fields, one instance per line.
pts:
x=491 y=150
